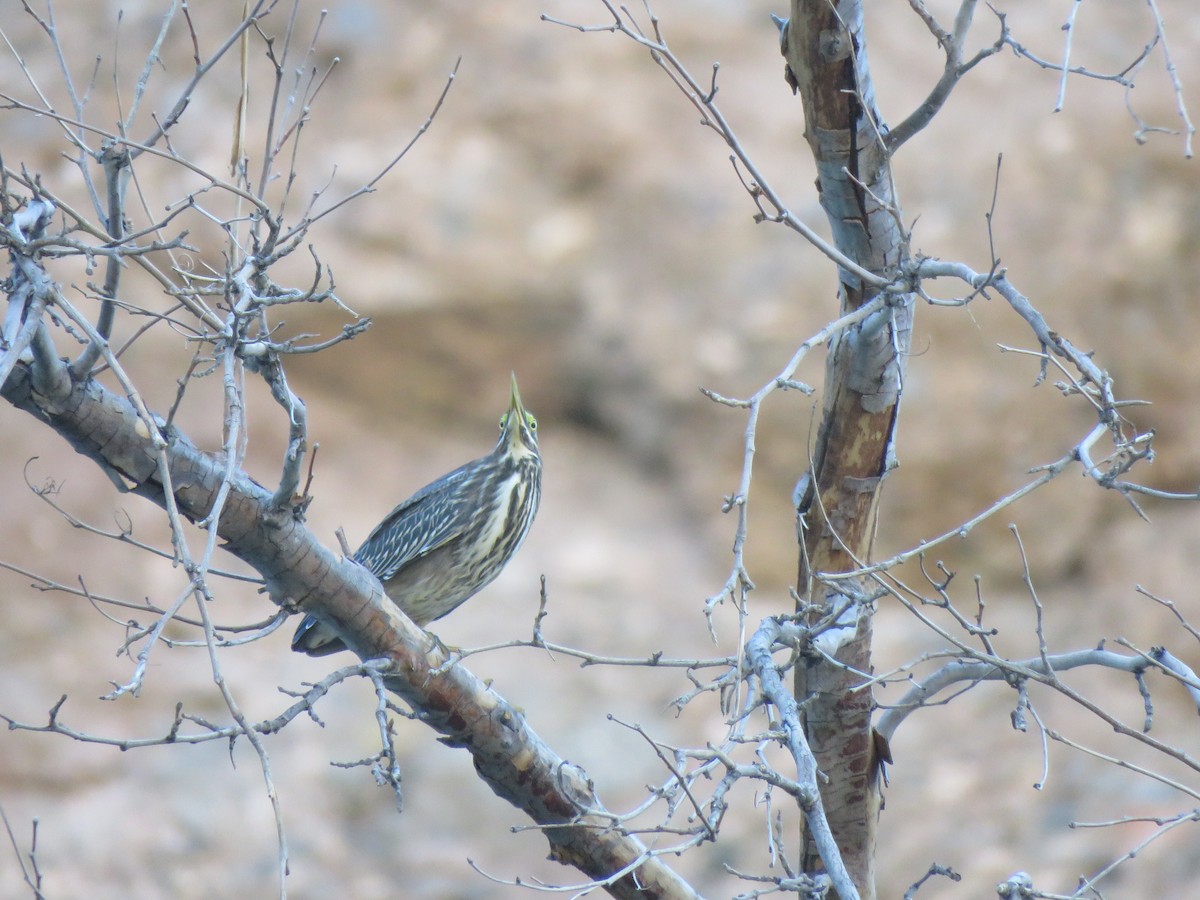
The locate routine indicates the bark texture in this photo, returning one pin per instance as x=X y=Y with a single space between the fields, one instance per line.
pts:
x=826 y=53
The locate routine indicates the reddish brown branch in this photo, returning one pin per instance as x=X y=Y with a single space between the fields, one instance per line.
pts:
x=299 y=570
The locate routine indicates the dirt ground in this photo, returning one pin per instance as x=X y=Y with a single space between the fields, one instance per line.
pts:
x=568 y=218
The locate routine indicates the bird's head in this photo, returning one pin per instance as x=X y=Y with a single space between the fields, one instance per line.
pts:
x=518 y=427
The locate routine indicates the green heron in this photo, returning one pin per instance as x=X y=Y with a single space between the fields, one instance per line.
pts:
x=452 y=537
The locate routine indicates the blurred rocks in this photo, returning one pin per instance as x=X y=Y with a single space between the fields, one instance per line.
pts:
x=566 y=217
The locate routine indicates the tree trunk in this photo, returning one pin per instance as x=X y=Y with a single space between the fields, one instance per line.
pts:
x=825 y=48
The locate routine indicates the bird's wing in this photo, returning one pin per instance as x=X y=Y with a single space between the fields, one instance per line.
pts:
x=430 y=518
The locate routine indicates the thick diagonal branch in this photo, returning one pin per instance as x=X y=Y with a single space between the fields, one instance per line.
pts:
x=507 y=753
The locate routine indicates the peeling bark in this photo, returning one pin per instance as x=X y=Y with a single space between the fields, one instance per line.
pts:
x=825 y=49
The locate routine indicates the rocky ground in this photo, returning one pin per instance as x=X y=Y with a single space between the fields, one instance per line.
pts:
x=567 y=218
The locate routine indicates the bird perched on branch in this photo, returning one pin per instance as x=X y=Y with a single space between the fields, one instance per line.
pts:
x=452 y=537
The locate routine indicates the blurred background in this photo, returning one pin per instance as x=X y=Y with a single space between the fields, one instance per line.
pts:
x=566 y=217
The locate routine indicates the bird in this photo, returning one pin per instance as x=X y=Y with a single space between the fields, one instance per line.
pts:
x=451 y=538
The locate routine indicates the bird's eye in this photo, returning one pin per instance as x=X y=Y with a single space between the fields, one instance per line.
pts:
x=532 y=422
x=503 y=419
